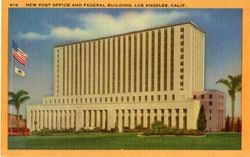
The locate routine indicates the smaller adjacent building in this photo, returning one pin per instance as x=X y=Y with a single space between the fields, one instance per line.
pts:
x=213 y=102
x=12 y=121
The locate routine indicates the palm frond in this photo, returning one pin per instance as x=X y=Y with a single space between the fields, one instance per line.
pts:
x=21 y=93
x=224 y=82
x=11 y=102
x=23 y=99
x=11 y=94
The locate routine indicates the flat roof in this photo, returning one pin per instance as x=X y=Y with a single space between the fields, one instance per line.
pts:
x=148 y=29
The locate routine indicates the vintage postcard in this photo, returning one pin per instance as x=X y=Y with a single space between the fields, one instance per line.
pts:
x=153 y=78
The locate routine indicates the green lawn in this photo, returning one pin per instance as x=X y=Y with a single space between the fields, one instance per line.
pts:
x=225 y=141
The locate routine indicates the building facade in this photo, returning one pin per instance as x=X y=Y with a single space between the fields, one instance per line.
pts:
x=214 y=103
x=126 y=80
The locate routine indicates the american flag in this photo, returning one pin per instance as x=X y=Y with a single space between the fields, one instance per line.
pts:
x=18 y=54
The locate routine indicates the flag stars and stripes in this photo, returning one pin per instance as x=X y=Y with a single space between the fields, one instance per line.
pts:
x=18 y=54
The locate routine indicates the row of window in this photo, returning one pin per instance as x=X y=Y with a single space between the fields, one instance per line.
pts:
x=110 y=99
x=46 y=119
x=89 y=53
x=210 y=96
x=182 y=59
x=148 y=117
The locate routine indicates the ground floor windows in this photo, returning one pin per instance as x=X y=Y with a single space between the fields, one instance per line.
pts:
x=97 y=118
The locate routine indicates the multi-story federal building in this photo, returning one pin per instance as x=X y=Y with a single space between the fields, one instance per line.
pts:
x=214 y=105
x=126 y=80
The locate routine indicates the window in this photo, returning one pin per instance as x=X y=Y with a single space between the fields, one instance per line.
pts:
x=139 y=98
x=181 y=63
x=146 y=98
x=166 y=97
x=106 y=99
x=210 y=111
x=182 y=49
x=181 y=70
x=100 y=99
x=181 y=77
x=173 y=97
x=182 y=29
x=111 y=99
x=202 y=96
x=116 y=99
x=133 y=98
x=128 y=98
x=182 y=42
x=210 y=118
x=159 y=98
x=182 y=36
x=210 y=96
x=181 y=83
x=122 y=99
x=210 y=103
x=152 y=98
x=194 y=96
x=182 y=57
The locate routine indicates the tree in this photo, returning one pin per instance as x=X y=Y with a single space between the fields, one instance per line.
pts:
x=16 y=99
x=201 y=121
x=227 y=124
x=238 y=125
x=233 y=84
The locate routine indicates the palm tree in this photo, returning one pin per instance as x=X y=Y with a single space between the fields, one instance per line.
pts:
x=17 y=99
x=233 y=84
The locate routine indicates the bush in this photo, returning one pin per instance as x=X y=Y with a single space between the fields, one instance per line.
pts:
x=159 y=128
x=113 y=130
x=42 y=132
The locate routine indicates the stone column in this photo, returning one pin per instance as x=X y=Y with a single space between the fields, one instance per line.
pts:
x=78 y=119
x=67 y=119
x=138 y=117
x=92 y=126
x=72 y=119
x=103 y=119
x=120 y=120
x=132 y=119
x=45 y=119
x=87 y=119
x=58 y=120
x=126 y=118
x=166 y=117
x=173 y=118
x=38 y=119
x=98 y=118
x=181 y=118
x=110 y=118
x=42 y=118
x=159 y=114
x=63 y=119
x=29 y=120
x=151 y=116
x=54 y=119
x=145 y=116
x=49 y=119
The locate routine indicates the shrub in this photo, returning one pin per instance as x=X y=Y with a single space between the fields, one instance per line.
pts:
x=159 y=128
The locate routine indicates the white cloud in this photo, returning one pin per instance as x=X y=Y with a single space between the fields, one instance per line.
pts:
x=33 y=36
x=95 y=25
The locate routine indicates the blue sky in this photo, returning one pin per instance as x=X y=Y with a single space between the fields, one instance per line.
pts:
x=37 y=31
